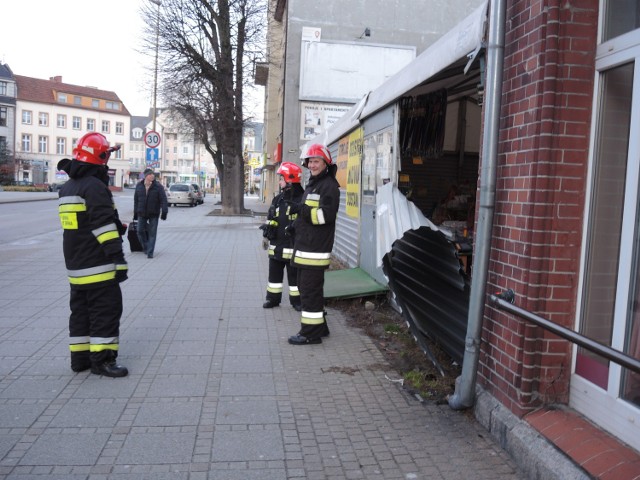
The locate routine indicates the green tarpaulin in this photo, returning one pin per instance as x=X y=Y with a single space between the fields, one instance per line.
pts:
x=349 y=283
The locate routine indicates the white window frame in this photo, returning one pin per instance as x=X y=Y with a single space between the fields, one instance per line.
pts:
x=605 y=407
x=43 y=119
x=61 y=120
x=61 y=146
x=27 y=117
x=43 y=144
x=25 y=142
x=76 y=123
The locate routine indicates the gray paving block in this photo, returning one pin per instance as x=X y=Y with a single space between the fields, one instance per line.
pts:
x=65 y=449
x=166 y=414
x=22 y=415
x=157 y=448
x=178 y=386
x=243 y=411
x=247 y=446
x=247 y=385
x=7 y=442
x=88 y=414
x=36 y=387
x=96 y=386
x=244 y=364
x=185 y=364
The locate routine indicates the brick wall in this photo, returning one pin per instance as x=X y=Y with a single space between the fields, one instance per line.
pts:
x=542 y=164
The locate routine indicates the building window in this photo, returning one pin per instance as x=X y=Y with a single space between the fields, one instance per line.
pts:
x=105 y=126
x=76 y=123
x=61 y=146
x=3 y=116
x=42 y=144
x=95 y=103
x=62 y=98
x=26 y=142
x=43 y=119
x=3 y=88
x=62 y=121
x=91 y=125
x=26 y=117
x=3 y=144
x=137 y=133
x=112 y=106
x=77 y=100
x=119 y=128
x=118 y=153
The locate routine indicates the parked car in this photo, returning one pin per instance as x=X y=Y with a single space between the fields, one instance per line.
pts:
x=54 y=187
x=182 y=194
x=199 y=192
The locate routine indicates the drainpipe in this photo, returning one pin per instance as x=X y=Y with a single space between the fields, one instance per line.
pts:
x=464 y=394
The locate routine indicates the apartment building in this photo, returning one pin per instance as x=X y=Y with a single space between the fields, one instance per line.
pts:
x=7 y=117
x=50 y=118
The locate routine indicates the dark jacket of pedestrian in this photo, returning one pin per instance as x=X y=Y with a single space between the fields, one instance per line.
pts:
x=152 y=203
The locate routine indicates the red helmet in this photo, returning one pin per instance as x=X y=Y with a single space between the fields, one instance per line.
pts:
x=93 y=148
x=320 y=151
x=291 y=172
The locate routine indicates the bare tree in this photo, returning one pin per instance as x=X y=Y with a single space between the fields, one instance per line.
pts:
x=206 y=50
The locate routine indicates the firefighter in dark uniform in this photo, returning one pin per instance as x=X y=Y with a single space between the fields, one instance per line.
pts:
x=94 y=258
x=277 y=231
x=315 y=230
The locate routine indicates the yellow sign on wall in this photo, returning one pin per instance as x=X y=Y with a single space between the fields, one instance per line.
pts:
x=353 y=173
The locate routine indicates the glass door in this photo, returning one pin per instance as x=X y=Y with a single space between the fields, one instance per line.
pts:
x=609 y=304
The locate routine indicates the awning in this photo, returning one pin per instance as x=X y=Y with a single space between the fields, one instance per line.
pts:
x=454 y=47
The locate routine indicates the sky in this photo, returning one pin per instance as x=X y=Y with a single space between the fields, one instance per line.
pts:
x=93 y=43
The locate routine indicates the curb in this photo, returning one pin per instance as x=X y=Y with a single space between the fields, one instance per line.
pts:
x=536 y=456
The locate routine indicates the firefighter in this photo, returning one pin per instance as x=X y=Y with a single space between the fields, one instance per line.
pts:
x=315 y=230
x=277 y=231
x=94 y=258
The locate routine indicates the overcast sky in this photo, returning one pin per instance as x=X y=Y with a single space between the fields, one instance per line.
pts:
x=88 y=42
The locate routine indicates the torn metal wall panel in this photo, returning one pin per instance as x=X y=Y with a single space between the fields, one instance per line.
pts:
x=424 y=271
x=425 y=276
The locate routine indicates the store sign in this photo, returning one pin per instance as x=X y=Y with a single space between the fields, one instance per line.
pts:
x=317 y=117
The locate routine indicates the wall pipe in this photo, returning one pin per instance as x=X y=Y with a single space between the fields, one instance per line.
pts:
x=464 y=394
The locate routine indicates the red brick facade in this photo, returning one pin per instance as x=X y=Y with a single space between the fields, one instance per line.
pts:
x=543 y=153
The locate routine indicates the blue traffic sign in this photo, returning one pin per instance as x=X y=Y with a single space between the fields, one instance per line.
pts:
x=152 y=155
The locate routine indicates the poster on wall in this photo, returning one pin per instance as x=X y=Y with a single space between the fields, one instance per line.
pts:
x=317 y=117
x=353 y=173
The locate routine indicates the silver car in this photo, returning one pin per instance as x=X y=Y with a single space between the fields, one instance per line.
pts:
x=182 y=194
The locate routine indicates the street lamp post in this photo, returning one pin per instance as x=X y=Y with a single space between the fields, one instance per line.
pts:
x=155 y=71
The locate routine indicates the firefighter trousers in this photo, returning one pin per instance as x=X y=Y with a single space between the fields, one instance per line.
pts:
x=276 y=278
x=313 y=320
x=94 y=325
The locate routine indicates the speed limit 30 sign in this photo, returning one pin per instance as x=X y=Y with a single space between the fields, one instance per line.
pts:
x=152 y=139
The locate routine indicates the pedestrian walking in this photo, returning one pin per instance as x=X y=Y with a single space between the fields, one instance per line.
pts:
x=92 y=247
x=277 y=230
x=149 y=204
x=315 y=229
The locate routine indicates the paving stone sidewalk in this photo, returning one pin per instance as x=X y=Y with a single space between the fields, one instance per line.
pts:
x=214 y=391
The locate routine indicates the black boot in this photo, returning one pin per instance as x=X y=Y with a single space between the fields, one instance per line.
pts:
x=270 y=304
x=110 y=368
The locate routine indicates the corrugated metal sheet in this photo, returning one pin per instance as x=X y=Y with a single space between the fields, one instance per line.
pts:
x=425 y=277
x=424 y=272
x=346 y=247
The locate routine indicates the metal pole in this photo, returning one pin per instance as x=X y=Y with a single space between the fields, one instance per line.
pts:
x=155 y=72
x=604 y=351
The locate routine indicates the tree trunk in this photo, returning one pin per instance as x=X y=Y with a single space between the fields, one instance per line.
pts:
x=233 y=187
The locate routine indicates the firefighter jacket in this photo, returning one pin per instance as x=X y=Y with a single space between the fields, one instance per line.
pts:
x=315 y=226
x=279 y=219
x=92 y=242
